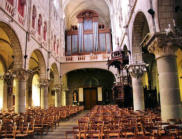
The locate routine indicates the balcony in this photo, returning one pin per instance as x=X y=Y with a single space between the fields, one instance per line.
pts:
x=85 y=58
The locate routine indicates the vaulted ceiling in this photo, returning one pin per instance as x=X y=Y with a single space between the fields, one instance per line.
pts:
x=73 y=7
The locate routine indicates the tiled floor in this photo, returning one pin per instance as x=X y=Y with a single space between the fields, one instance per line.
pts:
x=59 y=132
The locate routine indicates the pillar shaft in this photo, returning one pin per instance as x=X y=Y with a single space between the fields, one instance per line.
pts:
x=21 y=77
x=136 y=71
x=57 y=98
x=138 y=94
x=169 y=88
x=20 y=96
x=164 y=47
x=44 y=97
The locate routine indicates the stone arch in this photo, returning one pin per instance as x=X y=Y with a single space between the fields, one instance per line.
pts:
x=55 y=70
x=41 y=63
x=178 y=13
x=65 y=68
x=68 y=1
x=166 y=13
x=15 y=44
x=139 y=31
x=89 y=76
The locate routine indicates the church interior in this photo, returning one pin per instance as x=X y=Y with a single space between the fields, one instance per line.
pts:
x=91 y=69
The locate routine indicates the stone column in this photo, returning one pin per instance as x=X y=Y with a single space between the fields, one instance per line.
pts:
x=21 y=77
x=57 y=95
x=99 y=90
x=8 y=90
x=44 y=94
x=136 y=71
x=164 y=47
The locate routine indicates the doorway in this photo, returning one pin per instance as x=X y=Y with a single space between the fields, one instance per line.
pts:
x=90 y=97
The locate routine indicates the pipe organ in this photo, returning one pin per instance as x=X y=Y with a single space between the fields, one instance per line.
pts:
x=89 y=36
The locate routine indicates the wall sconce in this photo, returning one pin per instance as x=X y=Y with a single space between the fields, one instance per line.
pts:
x=151 y=12
x=25 y=56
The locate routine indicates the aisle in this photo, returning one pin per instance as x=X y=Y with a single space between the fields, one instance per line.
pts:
x=59 y=132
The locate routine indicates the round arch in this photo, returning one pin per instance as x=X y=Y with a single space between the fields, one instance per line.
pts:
x=40 y=60
x=14 y=43
x=139 y=31
x=55 y=71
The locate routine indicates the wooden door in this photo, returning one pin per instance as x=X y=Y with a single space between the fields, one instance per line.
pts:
x=90 y=97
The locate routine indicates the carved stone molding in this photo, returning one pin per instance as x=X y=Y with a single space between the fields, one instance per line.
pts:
x=21 y=74
x=137 y=70
x=44 y=83
x=162 y=44
x=57 y=87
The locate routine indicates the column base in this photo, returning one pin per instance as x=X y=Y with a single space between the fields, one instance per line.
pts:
x=171 y=112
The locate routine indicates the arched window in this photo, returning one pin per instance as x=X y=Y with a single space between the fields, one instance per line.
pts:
x=45 y=31
x=34 y=14
x=11 y=1
x=39 y=24
x=21 y=7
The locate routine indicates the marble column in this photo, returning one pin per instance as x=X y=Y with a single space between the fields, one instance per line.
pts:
x=44 y=94
x=21 y=77
x=164 y=47
x=136 y=71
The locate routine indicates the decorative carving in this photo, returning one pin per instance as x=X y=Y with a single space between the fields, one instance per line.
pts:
x=163 y=44
x=136 y=70
x=21 y=74
x=57 y=87
x=44 y=83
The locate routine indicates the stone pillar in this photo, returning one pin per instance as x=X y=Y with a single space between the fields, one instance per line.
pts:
x=57 y=95
x=99 y=91
x=44 y=94
x=164 y=47
x=64 y=98
x=136 y=71
x=8 y=90
x=80 y=94
x=21 y=77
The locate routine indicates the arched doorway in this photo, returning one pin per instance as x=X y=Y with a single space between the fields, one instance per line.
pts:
x=94 y=86
x=37 y=68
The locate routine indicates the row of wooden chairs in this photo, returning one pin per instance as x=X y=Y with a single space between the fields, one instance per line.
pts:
x=109 y=121
x=34 y=121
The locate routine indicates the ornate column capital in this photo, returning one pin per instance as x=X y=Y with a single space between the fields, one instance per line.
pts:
x=57 y=87
x=164 y=44
x=20 y=74
x=44 y=83
x=136 y=70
